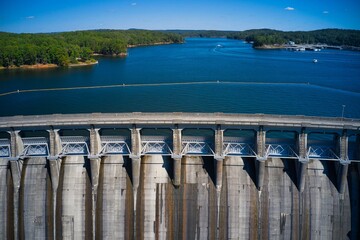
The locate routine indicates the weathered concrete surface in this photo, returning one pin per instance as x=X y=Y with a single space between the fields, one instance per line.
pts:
x=278 y=210
x=35 y=200
x=54 y=168
x=241 y=196
x=325 y=214
x=114 y=203
x=151 y=204
x=178 y=118
x=74 y=199
x=198 y=199
x=5 y=200
x=194 y=210
x=354 y=190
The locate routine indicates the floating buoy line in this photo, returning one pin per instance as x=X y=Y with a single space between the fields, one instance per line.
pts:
x=18 y=91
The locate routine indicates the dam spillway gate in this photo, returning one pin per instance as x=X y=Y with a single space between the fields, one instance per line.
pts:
x=181 y=176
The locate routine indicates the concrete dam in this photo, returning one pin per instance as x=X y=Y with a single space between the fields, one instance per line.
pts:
x=179 y=176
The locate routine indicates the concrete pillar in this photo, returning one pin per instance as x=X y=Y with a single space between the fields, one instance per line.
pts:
x=95 y=170
x=17 y=147
x=219 y=156
x=177 y=148
x=177 y=172
x=55 y=143
x=302 y=170
x=342 y=177
x=260 y=174
x=16 y=144
x=135 y=166
x=302 y=145
x=16 y=177
x=95 y=160
x=303 y=159
x=219 y=142
x=54 y=166
x=135 y=156
x=219 y=173
x=261 y=157
x=344 y=162
x=260 y=144
x=95 y=148
x=95 y=141
x=344 y=147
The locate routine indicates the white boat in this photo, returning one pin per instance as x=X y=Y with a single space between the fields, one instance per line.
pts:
x=315 y=60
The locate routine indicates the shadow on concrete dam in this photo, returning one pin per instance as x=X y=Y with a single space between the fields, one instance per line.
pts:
x=194 y=210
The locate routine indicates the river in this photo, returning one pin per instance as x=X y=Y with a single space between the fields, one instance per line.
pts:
x=201 y=75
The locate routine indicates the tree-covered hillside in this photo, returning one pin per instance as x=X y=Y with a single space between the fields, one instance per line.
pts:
x=335 y=37
x=203 y=33
x=71 y=47
x=260 y=37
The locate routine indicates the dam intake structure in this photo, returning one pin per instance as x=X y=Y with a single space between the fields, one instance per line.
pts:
x=179 y=176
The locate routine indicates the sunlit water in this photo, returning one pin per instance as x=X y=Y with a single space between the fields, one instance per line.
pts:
x=239 y=80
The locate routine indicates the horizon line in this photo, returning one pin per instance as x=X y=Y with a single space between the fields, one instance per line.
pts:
x=179 y=29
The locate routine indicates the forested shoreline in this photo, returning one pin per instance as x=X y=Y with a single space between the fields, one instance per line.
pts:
x=262 y=37
x=69 y=48
x=79 y=47
x=334 y=37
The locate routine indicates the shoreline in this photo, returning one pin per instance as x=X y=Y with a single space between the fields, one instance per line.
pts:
x=270 y=47
x=110 y=55
x=81 y=64
x=150 y=44
x=306 y=46
x=48 y=66
x=35 y=66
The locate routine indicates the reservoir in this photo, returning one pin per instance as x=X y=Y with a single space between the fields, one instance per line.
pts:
x=201 y=75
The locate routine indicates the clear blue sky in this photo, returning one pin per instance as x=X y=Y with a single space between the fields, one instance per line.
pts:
x=67 y=15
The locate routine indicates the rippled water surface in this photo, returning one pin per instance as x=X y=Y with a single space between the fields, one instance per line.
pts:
x=220 y=75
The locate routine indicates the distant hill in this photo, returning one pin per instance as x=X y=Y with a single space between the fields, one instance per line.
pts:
x=202 y=33
x=260 y=37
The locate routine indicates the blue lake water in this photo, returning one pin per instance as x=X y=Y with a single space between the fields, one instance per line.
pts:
x=239 y=79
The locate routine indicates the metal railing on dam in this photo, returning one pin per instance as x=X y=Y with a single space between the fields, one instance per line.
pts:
x=219 y=145
x=59 y=175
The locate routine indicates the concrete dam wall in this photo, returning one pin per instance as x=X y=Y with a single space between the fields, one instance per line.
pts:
x=194 y=210
x=179 y=176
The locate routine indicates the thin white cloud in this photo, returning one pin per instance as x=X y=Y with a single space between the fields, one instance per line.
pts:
x=30 y=17
x=289 y=9
x=325 y=12
x=133 y=4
